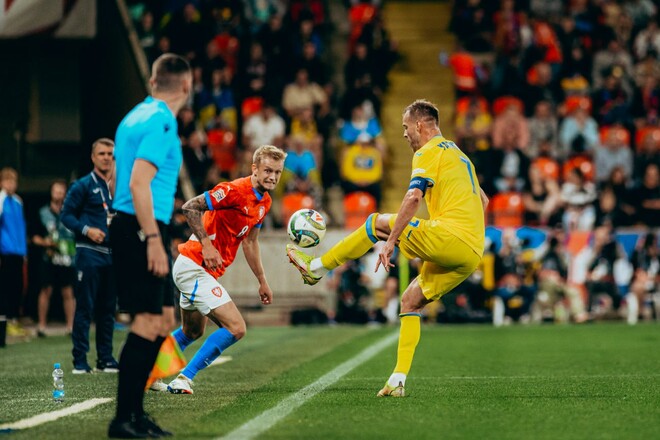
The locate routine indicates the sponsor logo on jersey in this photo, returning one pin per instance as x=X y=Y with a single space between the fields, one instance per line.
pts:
x=418 y=171
x=217 y=291
x=219 y=194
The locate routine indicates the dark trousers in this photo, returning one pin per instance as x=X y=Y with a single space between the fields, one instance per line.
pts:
x=11 y=285
x=96 y=297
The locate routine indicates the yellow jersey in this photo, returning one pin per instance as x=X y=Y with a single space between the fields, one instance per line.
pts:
x=453 y=195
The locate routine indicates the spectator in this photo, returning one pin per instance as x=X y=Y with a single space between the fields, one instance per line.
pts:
x=57 y=270
x=472 y=127
x=541 y=88
x=648 y=154
x=263 y=128
x=541 y=198
x=510 y=164
x=613 y=154
x=301 y=94
x=146 y=35
x=361 y=168
x=543 y=127
x=611 y=100
x=577 y=195
x=646 y=266
x=311 y=61
x=554 y=289
x=647 y=41
x=512 y=125
x=13 y=252
x=608 y=209
x=614 y=58
x=255 y=72
x=578 y=133
x=362 y=127
x=88 y=212
x=186 y=124
x=645 y=107
x=197 y=158
x=301 y=172
x=304 y=125
x=647 y=203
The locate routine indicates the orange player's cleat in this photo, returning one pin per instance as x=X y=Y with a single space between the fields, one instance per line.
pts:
x=389 y=391
x=302 y=262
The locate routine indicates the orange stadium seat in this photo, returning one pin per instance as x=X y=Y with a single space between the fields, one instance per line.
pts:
x=621 y=133
x=549 y=167
x=643 y=133
x=251 y=106
x=583 y=163
x=357 y=207
x=462 y=104
x=501 y=103
x=294 y=201
x=507 y=210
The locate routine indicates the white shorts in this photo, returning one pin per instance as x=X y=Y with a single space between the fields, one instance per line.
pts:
x=199 y=290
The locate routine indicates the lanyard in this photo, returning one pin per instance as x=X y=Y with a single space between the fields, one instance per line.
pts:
x=105 y=204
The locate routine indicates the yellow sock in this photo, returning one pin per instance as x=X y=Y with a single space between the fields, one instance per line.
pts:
x=408 y=339
x=352 y=247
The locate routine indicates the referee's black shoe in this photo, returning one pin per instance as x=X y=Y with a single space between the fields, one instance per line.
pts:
x=126 y=429
x=148 y=424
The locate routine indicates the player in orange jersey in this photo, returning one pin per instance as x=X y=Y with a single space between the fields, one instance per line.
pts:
x=221 y=219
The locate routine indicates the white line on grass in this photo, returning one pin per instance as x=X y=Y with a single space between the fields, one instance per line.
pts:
x=42 y=418
x=267 y=419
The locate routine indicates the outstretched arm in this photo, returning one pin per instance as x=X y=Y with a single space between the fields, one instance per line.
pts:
x=406 y=212
x=253 y=258
x=193 y=209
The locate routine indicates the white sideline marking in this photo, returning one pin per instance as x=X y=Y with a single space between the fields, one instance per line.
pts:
x=46 y=417
x=267 y=419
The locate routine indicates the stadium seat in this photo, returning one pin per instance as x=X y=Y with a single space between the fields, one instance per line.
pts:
x=507 y=210
x=548 y=167
x=643 y=133
x=294 y=201
x=501 y=103
x=622 y=134
x=251 y=106
x=583 y=163
x=462 y=104
x=357 y=207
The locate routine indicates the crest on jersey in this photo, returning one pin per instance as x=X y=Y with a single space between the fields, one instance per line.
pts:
x=262 y=212
x=217 y=291
x=219 y=194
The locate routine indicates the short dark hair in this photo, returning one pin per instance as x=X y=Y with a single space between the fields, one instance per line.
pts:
x=58 y=182
x=167 y=71
x=423 y=109
x=103 y=141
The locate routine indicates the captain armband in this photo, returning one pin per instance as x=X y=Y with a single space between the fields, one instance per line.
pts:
x=420 y=183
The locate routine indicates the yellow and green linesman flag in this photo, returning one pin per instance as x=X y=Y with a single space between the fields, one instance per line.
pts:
x=170 y=361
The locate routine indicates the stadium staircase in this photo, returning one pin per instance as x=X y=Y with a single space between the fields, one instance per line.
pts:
x=421 y=30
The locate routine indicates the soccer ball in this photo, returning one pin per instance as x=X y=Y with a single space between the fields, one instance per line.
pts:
x=306 y=228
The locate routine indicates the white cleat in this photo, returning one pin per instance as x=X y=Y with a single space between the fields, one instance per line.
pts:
x=159 y=386
x=180 y=385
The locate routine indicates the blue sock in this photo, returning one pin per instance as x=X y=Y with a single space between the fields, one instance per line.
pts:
x=182 y=339
x=215 y=344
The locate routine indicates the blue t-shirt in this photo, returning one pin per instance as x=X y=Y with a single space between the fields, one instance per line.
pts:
x=351 y=133
x=148 y=132
x=300 y=163
x=13 y=235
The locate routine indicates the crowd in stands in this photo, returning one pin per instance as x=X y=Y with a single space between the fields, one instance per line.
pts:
x=263 y=74
x=557 y=105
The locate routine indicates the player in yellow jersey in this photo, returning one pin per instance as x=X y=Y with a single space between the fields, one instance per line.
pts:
x=450 y=243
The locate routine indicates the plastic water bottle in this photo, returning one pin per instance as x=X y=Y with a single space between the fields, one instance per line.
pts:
x=58 y=384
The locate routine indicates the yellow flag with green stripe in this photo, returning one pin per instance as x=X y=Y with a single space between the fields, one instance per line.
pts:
x=170 y=361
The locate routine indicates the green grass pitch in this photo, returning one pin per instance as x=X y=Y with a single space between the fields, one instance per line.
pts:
x=599 y=381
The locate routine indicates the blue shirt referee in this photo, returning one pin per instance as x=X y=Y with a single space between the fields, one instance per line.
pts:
x=148 y=157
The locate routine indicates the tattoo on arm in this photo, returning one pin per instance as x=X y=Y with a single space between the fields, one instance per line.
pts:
x=193 y=209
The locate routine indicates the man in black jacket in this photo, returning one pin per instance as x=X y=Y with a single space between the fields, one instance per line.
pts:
x=87 y=211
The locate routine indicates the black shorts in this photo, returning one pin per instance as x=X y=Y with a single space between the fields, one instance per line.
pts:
x=57 y=276
x=138 y=290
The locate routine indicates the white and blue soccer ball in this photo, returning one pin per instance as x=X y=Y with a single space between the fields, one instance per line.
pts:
x=306 y=228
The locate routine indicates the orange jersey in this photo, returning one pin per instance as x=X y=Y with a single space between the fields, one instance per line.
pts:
x=234 y=209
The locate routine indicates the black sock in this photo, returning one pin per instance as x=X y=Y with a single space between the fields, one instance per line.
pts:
x=153 y=354
x=135 y=363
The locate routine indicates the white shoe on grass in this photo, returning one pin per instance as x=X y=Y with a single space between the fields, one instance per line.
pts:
x=180 y=385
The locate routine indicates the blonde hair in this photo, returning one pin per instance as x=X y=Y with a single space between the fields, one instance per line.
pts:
x=103 y=141
x=268 y=151
x=8 y=173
